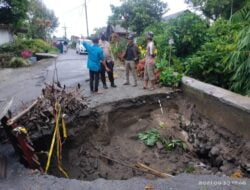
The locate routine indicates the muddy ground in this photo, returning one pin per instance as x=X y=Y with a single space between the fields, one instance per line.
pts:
x=103 y=141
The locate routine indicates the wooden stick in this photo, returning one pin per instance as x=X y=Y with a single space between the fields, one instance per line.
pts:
x=153 y=171
x=140 y=167
x=18 y=116
x=119 y=162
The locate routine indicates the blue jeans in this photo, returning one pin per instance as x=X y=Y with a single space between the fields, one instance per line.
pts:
x=94 y=80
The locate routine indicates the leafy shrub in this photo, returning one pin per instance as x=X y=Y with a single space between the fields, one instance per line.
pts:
x=20 y=45
x=149 y=137
x=170 y=78
x=152 y=136
x=161 y=64
x=118 y=47
x=171 y=144
x=187 y=30
x=208 y=63
x=16 y=62
x=5 y=59
x=239 y=58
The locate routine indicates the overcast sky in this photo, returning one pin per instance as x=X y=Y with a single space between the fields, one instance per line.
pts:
x=71 y=13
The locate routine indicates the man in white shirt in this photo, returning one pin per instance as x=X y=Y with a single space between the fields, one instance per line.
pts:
x=149 y=70
x=109 y=62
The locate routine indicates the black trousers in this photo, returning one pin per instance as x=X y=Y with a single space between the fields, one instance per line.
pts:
x=93 y=81
x=110 y=65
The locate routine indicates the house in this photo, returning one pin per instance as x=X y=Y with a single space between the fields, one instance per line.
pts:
x=175 y=15
x=74 y=38
x=120 y=30
x=6 y=35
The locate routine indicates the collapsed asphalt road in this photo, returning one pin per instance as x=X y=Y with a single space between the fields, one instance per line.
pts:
x=71 y=70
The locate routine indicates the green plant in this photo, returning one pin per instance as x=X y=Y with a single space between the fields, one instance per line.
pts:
x=149 y=137
x=17 y=62
x=214 y=9
x=171 y=144
x=188 y=32
x=118 y=47
x=137 y=15
x=190 y=169
x=161 y=64
x=239 y=58
x=14 y=12
x=20 y=45
x=170 y=78
x=208 y=63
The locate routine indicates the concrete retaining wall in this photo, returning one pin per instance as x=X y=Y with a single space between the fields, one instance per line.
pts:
x=223 y=107
x=5 y=36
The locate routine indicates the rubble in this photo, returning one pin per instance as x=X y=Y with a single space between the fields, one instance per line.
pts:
x=39 y=121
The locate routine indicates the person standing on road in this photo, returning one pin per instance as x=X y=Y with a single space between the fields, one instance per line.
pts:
x=109 y=62
x=149 y=69
x=130 y=57
x=95 y=59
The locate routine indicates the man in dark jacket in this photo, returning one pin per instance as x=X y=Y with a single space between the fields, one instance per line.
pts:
x=130 y=57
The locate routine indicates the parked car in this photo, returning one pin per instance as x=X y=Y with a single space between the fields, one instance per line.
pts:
x=80 y=49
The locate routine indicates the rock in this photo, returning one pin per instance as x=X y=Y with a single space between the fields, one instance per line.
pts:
x=215 y=151
x=84 y=113
x=219 y=174
x=185 y=121
x=185 y=135
x=96 y=163
x=218 y=161
x=247 y=167
x=159 y=145
x=226 y=167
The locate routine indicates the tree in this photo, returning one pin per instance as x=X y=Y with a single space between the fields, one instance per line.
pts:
x=239 y=59
x=41 y=21
x=214 y=9
x=188 y=32
x=137 y=14
x=13 y=12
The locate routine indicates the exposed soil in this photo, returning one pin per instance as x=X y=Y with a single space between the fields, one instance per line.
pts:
x=100 y=137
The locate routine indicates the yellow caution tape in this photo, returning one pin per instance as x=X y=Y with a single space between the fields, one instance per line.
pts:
x=57 y=138
x=64 y=129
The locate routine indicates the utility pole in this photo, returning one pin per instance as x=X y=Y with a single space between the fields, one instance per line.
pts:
x=86 y=16
x=65 y=32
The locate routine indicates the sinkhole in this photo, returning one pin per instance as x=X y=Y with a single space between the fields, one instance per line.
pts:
x=104 y=141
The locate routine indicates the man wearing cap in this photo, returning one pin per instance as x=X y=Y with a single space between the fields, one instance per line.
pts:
x=109 y=62
x=95 y=59
x=130 y=57
x=149 y=69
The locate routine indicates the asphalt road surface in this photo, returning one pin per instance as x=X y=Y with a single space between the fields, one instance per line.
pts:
x=25 y=84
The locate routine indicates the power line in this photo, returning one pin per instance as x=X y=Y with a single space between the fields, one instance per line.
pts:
x=73 y=9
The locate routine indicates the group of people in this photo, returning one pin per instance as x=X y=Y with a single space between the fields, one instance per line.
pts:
x=100 y=61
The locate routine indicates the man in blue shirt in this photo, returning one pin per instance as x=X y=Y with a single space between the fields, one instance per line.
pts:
x=95 y=59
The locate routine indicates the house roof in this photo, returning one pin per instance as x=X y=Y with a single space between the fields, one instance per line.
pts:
x=175 y=15
x=119 y=29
